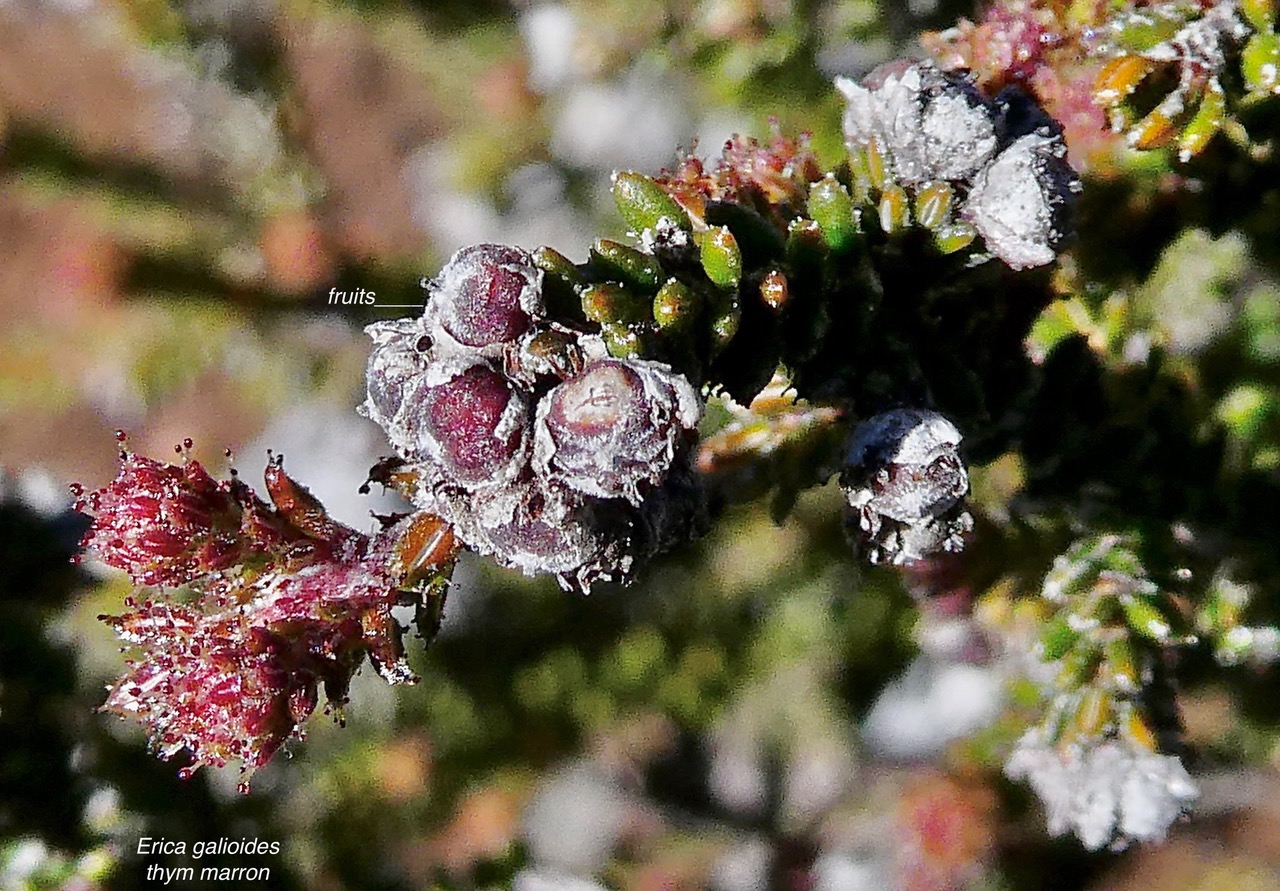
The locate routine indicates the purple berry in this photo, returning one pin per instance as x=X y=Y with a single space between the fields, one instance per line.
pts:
x=486 y=295
x=615 y=427
x=471 y=421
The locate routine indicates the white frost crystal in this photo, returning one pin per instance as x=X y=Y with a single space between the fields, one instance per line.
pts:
x=905 y=484
x=929 y=125
x=1005 y=159
x=1108 y=793
x=1015 y=202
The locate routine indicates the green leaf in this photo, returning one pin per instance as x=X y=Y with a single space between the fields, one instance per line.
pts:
x=643 y=203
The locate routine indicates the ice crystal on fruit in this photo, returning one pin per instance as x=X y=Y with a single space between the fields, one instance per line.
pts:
x=905 y=483
x=486 y=296
x=615 y=427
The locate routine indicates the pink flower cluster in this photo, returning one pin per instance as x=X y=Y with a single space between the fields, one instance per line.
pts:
x=255 y=608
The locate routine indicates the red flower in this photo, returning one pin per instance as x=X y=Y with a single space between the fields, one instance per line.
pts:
x=164 y=524
x=287 y=602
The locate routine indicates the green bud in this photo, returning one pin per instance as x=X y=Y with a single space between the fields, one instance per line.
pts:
x=895 y=210
x=1122 y=559
x=632 y=267
x=726 y=316
x=806 y=246
x=642 y=202
x=1260 y=63
x=933 y=204
x=954 y=237
x=1078 y=668
x=622 y=341
x=1208 y=120
x=1122 y=663
x=1093 y=712
x=612 y=304
x=559 y=282
x=1246 y=410
x=1145 y=618
x=832 y=209
x=1261 y=14
x=1140 y=31
x=808 y=273
x=860 y=172
x=877 y=164
x=552 y=262
x=676 y=306
x=758 y=239
x=721 y=259
x=1057 y=638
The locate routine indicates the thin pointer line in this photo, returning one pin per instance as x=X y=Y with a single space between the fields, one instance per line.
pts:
x=398 y=305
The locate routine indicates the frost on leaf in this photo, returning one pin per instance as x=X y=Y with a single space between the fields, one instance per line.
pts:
x=1107 y=793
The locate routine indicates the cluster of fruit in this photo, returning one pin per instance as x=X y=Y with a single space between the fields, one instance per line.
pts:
x=537 y=446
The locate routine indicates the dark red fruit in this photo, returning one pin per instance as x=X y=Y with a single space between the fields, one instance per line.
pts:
x=473 y=424
x=486 y=295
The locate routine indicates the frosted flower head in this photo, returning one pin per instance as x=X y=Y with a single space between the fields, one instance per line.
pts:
x=1109 y=793
x=167 y=524
x=288 y=604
